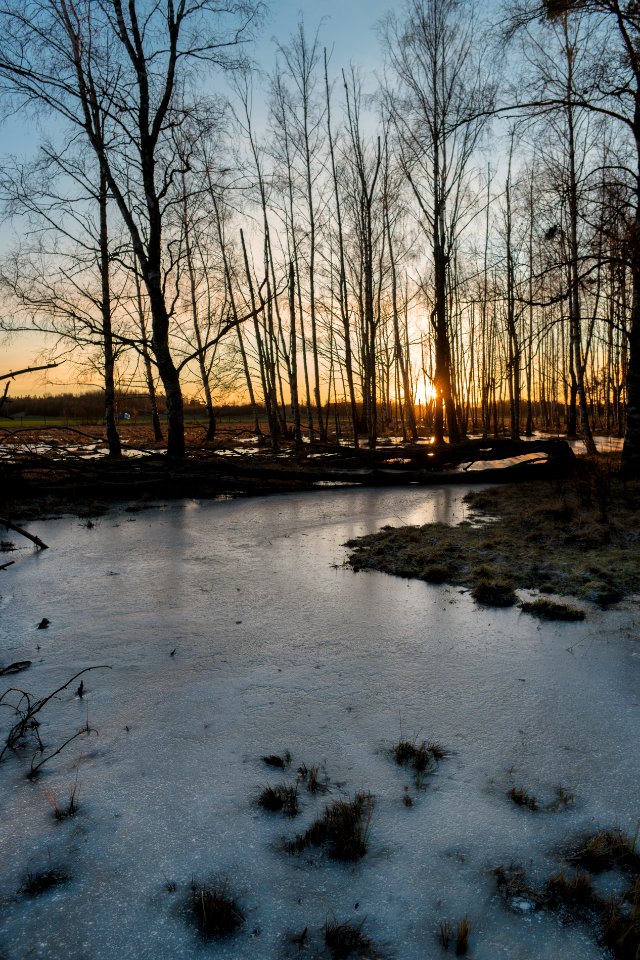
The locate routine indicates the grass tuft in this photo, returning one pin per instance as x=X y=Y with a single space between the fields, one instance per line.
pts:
x=494 y=593
x=446 y=934
x=39 y=882
x=421 y=757
x=216 y=912
x=606 y=850
x=281 y=797
x=462 y=937
x=573 y=890
x=70 y=809
x=523 y=799
x=346 y=940
x=276 y=761
x=548 y=610
x=343 y=829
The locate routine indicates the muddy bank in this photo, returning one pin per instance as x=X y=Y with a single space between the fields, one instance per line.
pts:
x=579 y=537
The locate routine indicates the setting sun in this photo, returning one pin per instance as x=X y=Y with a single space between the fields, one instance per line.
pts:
x=425 y=391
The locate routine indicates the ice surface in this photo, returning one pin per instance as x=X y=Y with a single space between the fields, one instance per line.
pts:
x=280 y=647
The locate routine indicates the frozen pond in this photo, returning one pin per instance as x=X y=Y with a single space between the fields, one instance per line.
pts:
x=280 y=647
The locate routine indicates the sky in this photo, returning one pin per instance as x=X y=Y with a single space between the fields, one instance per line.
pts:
x=348 y=28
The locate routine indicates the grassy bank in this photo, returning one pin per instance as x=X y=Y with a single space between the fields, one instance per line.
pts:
x=580 y=538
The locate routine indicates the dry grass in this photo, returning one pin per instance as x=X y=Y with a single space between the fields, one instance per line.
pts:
x=342 y=829
x=494 y=593
x=420 y=757
x=462 y=937
x=606 y=850
x=347 y=940
x=39 y=882
x=521 y=798
x=281 y=797
x=536 y=535
x=216 y=912
x=548 y=610
x=573 y=890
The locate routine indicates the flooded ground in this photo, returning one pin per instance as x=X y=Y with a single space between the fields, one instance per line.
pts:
x=233 y=630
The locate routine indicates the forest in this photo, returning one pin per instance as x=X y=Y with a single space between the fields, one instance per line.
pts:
x=454 y=238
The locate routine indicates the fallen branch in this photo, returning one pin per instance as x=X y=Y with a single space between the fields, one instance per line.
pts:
x=27 y=710
x=30 y=536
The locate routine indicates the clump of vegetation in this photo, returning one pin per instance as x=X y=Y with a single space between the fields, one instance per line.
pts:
x=446 y=934
x=621 y=929
x=494 y=593
x=67 y=810
x=281 y=797
x=39 y=882
x=564 y=799
x=436 y=573
x=553 y=546
x=216 y=912
x=513 y=886
x=574 y=890
x=602 y=593
x=6 y=546
x=548 y=610
x=462 y=937
x=276 y=761
x=346 y=940
x=420 y=757
x=313 y=779
x=523 y=799
x=343 y=829
x=606 y=850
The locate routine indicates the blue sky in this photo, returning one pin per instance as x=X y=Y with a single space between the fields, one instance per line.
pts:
x=349 y=27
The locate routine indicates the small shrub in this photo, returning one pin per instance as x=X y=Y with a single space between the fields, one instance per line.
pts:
x=548 y=610
x=6 y=546
x=346 y=939
x=311 y=776
x=523 y=799
x=494 y=593
x=216 y=912
x=343 y=829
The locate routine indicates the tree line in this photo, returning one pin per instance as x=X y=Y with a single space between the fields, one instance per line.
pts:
x=458 y=237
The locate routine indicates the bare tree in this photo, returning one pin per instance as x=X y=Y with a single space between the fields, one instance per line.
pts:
x=111 y=70
x=438 y=107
